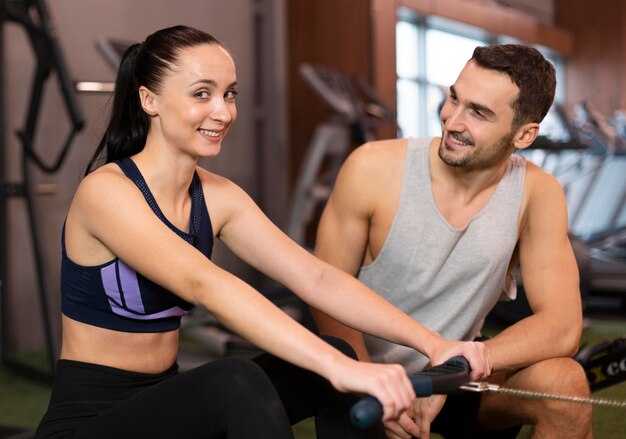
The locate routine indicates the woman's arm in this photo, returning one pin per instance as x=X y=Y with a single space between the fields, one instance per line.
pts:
x=261 y=244
x=120 y=219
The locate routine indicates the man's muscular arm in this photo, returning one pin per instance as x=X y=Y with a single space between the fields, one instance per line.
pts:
x=342 y=236
x=550 y=277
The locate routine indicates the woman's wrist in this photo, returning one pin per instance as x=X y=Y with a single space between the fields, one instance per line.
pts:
x=430 y=343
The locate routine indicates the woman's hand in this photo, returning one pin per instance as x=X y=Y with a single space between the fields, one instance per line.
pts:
x=388 y=383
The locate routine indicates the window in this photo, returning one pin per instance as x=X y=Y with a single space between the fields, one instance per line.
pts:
x=430 y=53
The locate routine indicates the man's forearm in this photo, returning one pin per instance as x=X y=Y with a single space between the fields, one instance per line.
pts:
x=533 y=339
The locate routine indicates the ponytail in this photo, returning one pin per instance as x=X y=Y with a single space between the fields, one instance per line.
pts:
x=128 y=124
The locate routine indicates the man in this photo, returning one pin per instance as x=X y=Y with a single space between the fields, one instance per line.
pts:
x=437 y=226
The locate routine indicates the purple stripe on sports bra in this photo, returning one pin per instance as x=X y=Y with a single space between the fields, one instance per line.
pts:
x=171 y=312
x=130 y=288
x=109 y=282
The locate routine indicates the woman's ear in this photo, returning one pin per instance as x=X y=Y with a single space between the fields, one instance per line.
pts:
x=146 y=98
x=526 y=135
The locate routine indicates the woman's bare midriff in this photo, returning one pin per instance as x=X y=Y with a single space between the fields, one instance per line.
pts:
x=137 y=352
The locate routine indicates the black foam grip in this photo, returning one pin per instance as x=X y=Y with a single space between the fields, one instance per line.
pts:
x=442 y=379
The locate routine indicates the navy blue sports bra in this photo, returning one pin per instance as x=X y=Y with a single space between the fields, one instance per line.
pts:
x=113 y=295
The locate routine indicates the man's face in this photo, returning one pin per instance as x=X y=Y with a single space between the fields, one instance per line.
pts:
x=477 y=119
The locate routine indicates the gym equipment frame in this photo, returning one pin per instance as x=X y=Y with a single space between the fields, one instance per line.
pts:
x=33 y=16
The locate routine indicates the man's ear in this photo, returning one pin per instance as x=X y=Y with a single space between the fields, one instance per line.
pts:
x=146 y=98
x=526 y=135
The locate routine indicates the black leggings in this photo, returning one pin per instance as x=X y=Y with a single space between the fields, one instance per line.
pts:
x=227 y=398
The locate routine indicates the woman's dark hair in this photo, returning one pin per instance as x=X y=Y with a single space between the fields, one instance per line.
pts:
x=529 y=70
x=142 y=64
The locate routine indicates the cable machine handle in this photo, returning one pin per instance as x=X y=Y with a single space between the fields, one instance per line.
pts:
x=442 y=379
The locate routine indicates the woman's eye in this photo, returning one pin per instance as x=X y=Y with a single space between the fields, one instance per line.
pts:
x=231 y=94
x=202 y=94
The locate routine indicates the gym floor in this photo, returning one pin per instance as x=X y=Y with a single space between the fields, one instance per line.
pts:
x=22 y=402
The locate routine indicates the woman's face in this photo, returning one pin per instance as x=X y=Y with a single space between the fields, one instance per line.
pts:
x=196 y=105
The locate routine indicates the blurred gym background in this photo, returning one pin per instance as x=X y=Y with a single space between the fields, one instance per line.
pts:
x=316 y=78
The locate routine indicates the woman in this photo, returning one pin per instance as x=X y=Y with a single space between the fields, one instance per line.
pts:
x=128 y=277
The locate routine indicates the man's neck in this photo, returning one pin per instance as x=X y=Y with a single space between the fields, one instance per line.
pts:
x=461 y=192
x=467 y=180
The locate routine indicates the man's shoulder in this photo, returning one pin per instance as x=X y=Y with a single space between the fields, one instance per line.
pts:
x=377 y=156
x=376 y=165
x=384 y=146
x=538 y=179
x=542 y=193
x=387 y=149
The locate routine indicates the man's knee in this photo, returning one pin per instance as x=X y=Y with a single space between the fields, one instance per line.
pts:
x=556 y=375
x=570 y=379
x=559 y=376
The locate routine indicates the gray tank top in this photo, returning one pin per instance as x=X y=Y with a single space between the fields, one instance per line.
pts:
x=444 y=277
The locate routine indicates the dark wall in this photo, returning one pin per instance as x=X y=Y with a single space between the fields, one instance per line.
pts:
x=331 y=33
x=597 y=69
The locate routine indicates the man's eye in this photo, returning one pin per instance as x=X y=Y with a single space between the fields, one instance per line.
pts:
x=478 y=114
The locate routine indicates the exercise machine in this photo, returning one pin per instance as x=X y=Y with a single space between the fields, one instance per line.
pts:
x=355 y=112
x=597 y=201
x=604 y=362
x=33 y=17
x=453 y=377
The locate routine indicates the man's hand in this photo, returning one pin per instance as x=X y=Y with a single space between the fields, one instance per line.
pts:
x=416 y=420
x=475 y=353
